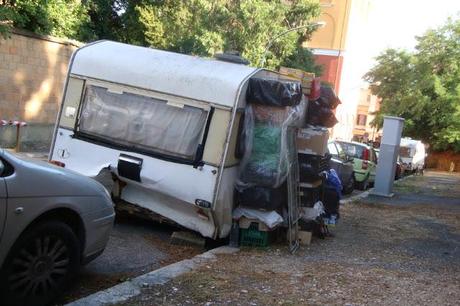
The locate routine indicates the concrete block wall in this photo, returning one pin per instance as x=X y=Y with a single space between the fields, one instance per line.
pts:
x=32 y=74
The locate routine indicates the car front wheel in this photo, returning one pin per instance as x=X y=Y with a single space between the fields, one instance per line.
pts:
x=350 y=186
x=363 y=185
x=40 y=265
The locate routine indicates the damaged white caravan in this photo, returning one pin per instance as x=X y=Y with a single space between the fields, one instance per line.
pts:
x=164 y=124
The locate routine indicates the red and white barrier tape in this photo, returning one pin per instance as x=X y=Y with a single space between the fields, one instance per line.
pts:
x=13 y=122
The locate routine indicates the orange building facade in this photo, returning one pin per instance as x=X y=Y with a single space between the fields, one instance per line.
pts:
x=339 y=46
x=367 y=105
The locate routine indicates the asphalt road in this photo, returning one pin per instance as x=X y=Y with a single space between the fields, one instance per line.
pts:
x=135 y=247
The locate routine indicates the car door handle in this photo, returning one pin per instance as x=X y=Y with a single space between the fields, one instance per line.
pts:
x=19 y=210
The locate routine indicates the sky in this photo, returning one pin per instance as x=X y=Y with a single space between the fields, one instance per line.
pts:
x=381 y=24
x=397 y=22
x=375 y=26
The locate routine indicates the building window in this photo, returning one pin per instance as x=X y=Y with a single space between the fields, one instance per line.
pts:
x=361 y=120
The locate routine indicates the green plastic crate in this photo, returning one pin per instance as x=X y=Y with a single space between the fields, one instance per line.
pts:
x=251 y=236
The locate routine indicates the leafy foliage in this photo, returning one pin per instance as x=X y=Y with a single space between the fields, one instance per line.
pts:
x=63 y=18
x=423 y=87
x=302 y=59
x=204 y=27
x=200 y=27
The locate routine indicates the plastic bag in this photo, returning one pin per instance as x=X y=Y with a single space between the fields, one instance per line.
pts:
x=265 y=159
x=311 y=213
x=274 y=92
x=320 y=115
x=333 y=181
x=271 y=219
x=328 y=98
x=315 y=90
x=263 y=197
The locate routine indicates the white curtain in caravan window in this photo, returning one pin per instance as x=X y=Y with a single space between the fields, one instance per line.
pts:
x=142 y=122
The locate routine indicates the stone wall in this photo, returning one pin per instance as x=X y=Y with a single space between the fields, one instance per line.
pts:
x=32 y=74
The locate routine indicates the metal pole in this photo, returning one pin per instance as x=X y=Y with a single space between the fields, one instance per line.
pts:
x=18 y=128
x=389 y=150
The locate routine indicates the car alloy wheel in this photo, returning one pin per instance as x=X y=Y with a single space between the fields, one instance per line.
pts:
x=40 y=267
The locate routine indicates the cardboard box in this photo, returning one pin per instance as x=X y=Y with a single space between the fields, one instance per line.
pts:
x=295 y=73
x=304 y=77
x=312 y=140
x=304 y=238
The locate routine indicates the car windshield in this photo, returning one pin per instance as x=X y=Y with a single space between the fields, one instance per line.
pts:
x=342 y=154
x=355 y=151
x=332 y=149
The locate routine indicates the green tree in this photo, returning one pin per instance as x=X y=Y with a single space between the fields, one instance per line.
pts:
x=199 y=27
x=302 y=58
x=62 y=18
x=105 y=19
x=204 y=27
x=7 y=15
x=423 y=87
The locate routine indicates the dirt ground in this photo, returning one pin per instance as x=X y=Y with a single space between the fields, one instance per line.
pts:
x=403 y=251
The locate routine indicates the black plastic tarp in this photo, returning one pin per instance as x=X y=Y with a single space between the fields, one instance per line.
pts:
x=318 y=114
x=328 y=98
x=263 y=197
x=274 y=92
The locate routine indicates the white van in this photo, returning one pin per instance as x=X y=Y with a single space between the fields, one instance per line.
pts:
x=412 y=153
x=164 y=125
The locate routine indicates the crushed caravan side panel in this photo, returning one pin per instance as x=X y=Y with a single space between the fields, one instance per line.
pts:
x=169 y=189
x=189 y=216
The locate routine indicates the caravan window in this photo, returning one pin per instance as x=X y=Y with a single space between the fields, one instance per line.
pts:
x=404 y=152
x=142 y=122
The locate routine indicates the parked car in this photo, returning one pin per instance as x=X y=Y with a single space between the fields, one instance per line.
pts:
x=364 y=162
x=400 y=167
x=52 y=220
x=343 y=165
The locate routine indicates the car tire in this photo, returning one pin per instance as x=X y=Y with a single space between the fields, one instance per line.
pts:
x=41 y=263
x=350 y=185
x=363 y=185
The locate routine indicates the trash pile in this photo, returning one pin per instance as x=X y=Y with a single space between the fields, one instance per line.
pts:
x=320 y=186
x=284 y=175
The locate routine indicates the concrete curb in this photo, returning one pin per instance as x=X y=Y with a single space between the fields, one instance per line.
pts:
x=126 y=290
x=356 y=197
x=366 y=193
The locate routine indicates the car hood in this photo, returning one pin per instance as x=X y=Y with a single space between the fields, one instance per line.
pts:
x=32 y=178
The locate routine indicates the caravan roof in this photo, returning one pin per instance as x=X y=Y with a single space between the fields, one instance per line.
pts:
x=409 y=142
x=173 y=73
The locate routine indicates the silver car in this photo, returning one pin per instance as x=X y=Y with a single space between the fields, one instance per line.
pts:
x=343 y=165
x=52 y=220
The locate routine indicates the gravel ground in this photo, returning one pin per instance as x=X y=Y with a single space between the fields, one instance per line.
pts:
x=404 y=251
